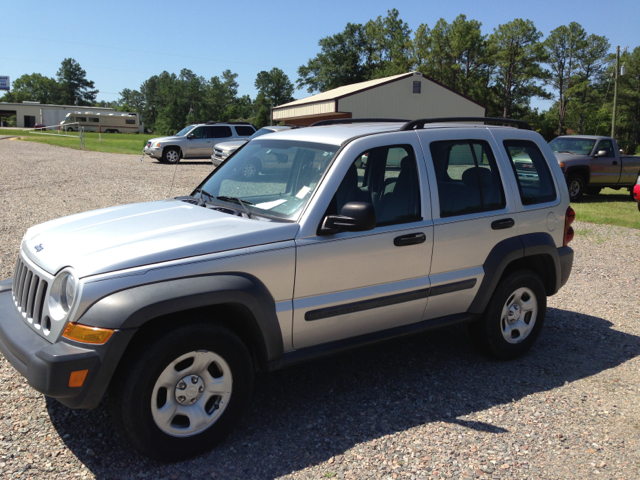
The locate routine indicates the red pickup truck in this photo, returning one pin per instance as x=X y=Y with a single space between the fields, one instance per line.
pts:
x=591 y=163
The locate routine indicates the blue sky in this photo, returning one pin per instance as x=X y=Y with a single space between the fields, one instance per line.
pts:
x=122 y=43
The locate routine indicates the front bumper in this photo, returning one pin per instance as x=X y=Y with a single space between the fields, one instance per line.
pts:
x=154 y=152
x=47 y=366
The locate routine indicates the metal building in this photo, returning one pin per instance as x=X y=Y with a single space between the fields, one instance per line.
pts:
x=408 y=96
x=29 y=113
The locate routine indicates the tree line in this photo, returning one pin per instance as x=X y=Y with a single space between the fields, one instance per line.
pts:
x=503 y=70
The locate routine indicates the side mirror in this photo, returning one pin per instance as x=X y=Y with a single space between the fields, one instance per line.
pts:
x=191 y=136
x=601 y=153
x=354 y=217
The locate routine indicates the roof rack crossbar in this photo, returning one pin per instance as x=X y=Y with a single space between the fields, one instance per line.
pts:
x=339 y=121
x=419 y=124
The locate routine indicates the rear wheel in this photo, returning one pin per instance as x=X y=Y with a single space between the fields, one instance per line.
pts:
x=514 y=317
x=180 y=396
x=171 y=155
x=576 y=185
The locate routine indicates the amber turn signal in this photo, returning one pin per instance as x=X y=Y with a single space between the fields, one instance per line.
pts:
x=76 y=379
x=84 y=334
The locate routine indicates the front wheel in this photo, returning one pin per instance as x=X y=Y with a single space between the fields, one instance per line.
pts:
x=576 y=186
x=171 y=155
x=514 y=317
x=182 y=395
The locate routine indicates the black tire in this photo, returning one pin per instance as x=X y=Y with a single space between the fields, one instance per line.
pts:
x=487 y=333
x=576 y=186
x=137 y=379
x=171 y=155
x=593 y=190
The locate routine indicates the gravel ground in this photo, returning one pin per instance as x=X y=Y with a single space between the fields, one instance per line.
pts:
x=427 y=406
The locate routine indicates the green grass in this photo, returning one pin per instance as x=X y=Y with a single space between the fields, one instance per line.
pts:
x=611 y=207
x=130 y=143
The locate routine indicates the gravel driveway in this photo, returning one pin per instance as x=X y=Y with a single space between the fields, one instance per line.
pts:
x=427 y=406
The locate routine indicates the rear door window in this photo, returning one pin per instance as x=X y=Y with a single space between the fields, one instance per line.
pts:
x=467 y=176
x=535 y=182
x=222 y=132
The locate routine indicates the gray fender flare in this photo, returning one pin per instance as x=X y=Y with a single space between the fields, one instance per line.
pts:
x=133 y=307
x=508 y=251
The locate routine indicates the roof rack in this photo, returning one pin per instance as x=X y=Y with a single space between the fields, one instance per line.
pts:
x=211 y=122
x=339 y=121
x=419 y=124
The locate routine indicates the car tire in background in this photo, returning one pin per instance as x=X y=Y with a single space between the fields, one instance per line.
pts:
x=576 y=186
x=179 y=395
x=171 y=155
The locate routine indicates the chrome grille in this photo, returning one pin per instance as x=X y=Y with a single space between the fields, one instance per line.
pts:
x=29 y=292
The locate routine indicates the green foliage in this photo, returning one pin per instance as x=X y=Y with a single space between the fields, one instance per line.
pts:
x=73 y=84
x=275 y=87
x=33 y=88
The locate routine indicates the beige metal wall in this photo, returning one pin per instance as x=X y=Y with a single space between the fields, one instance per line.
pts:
x=397 y=100
x=305 y=110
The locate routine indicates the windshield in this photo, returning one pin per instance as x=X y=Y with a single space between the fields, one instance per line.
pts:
x=184 y=131
x=578 y=146
x=274 y=178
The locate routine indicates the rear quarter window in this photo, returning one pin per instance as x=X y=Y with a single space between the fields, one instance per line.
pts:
x=245 y=131
x=535 y=182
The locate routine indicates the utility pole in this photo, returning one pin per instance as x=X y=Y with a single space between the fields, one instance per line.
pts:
x=615 y=94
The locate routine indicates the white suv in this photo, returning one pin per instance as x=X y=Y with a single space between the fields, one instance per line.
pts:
x=196 y=141
x=367 y=231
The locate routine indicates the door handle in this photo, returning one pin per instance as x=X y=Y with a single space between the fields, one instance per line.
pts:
x=411 y=239
x=502 y=224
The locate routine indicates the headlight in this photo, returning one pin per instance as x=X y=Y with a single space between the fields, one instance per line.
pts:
x=62 y=295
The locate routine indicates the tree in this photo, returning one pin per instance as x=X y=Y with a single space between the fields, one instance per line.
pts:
x=337 y=64
x=517 y=58
x=74 y=84
x=563 y=46
x=33 y=88
x=275 y=86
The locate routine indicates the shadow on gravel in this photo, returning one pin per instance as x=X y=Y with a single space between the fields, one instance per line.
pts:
x=306 y=414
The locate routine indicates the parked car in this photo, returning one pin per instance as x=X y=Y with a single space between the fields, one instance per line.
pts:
x=172 y=306
x=636 y=192
x=196 y=141
x=222 y=150
x=590 y=163
x=40 y=126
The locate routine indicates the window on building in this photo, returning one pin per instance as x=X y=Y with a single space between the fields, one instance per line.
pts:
x=532 y=173
x=467 y=176
x=417 y=85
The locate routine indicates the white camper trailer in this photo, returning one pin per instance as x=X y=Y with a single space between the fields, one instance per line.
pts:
x=117 y=122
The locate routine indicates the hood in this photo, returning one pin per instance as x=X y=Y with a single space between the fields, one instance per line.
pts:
x=564 y=157
x=172 y=138
x=128 y=236
x=230 y=146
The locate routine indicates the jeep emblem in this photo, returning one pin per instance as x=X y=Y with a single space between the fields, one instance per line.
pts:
x=39 y=248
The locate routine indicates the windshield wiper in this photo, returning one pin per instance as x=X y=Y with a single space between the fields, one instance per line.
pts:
x=243 y=204
x=201 y=191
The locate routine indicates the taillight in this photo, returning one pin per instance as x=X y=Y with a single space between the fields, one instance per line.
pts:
x=569 y=217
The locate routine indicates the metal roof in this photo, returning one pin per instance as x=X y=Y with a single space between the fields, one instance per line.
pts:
x=346 y=90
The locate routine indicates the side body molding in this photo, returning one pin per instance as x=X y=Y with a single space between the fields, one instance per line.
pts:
x=506 y=252
x=132 y=308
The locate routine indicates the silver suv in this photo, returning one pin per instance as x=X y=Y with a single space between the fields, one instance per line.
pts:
x=370 y=230
x=223 y=149
x=196 y=141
